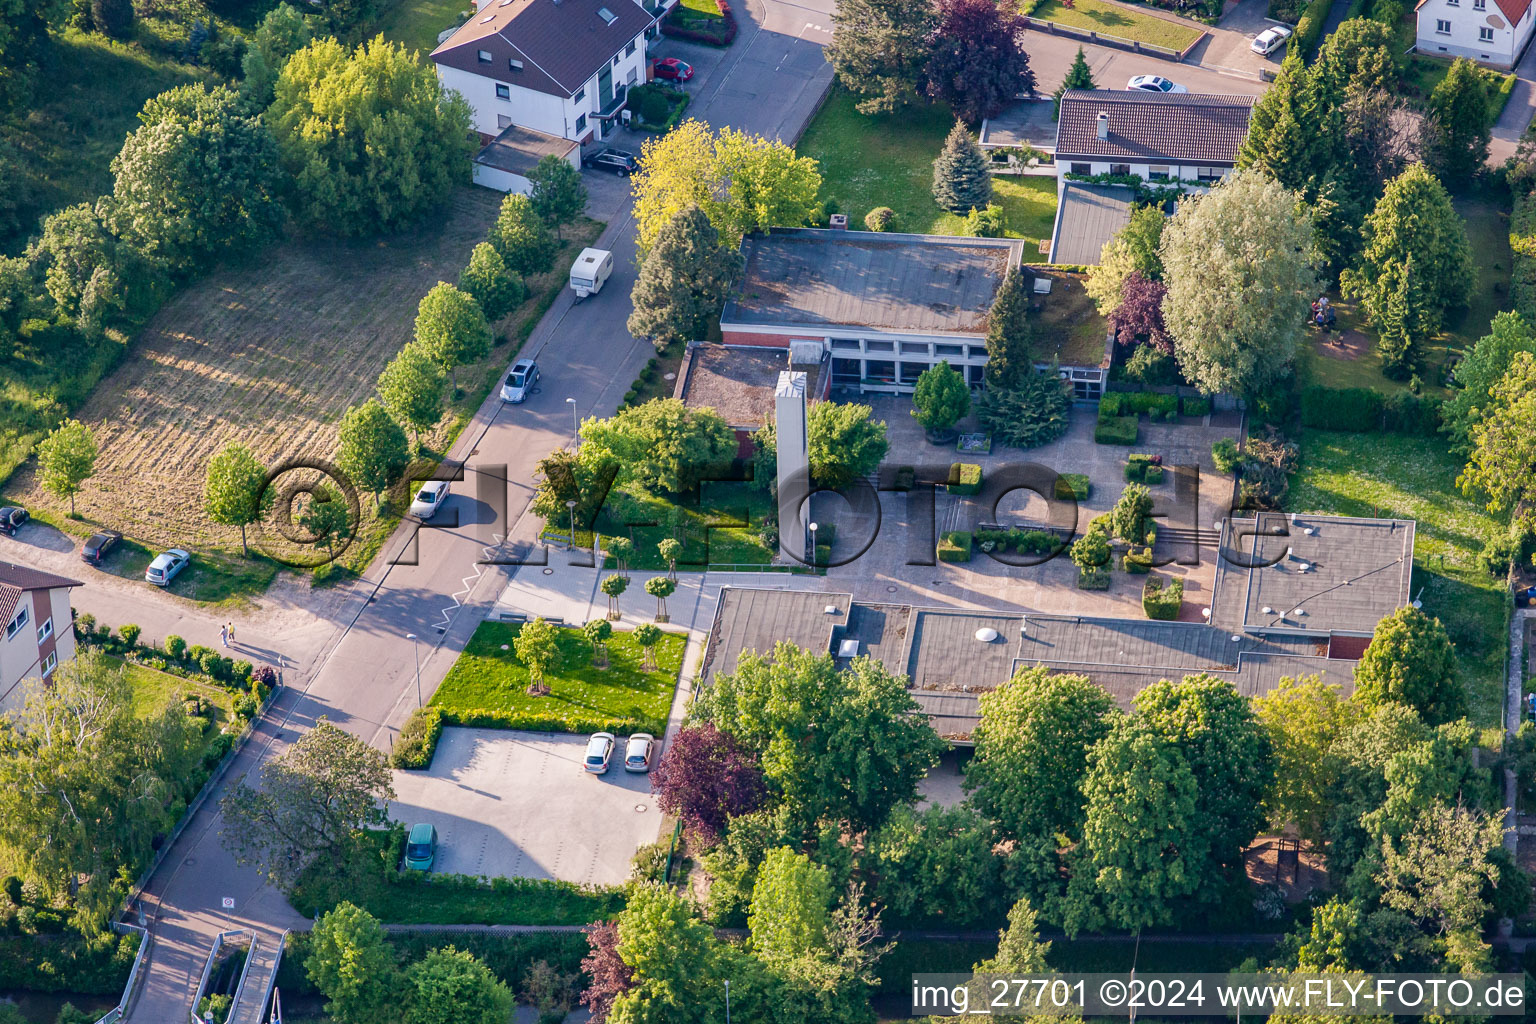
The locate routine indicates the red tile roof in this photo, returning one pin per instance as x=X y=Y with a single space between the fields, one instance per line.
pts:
x=1514 y=10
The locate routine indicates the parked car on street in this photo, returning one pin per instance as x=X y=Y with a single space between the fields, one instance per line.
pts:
x=1154 y=83
x=599 y=750
x=590 y=272
x=619 y=161
x=99 y=546
x=1270 y=40
x=421 y=847
x=13 y=518
x=673 y=70
x=520 y=381
x=429 y=499
x=166 y=566
x=638 y=752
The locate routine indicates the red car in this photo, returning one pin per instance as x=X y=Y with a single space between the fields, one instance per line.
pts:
x=673 y=70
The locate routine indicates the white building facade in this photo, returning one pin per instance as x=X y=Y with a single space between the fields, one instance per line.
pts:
x=1492 y=32
x=1158 y=137
x=37 y=630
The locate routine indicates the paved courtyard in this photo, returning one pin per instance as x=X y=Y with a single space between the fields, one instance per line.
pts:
x=518 y=804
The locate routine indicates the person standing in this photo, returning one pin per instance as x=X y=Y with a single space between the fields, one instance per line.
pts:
x=224 y=635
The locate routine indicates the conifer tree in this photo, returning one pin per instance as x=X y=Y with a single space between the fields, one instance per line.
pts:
x=960 y=179
x=1079 y=76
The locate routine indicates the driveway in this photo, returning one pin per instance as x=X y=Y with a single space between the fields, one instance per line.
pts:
x=518 y=804
x=1227 y=44
x=1051 y=55
x=1517 y=112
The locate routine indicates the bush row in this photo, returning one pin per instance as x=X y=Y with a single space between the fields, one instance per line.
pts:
x=175 y=657
x=1365 y=410
x=570 y=721
x=1093 y=578
x=955 y=546
x=1160 y=602
x=1025 y=542
x=724 y=36
x=418 y=739
x=1310 y=28
x=1116 y=429
x=67 y=963
x=1522 y=240
x=964 y=478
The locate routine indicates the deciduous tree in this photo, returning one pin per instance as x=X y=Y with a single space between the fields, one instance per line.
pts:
x=327 y=518
x=1237 y=266
x=661 y=444
x=1483 y=366
x=282 y=33
x=1305 y=718
x=669 y=548
x=790 y=911
x=683 y=281
x=977 y=62
x=612 y=587
x=452 y=329
x=1437 y=875
x=66 y=458
x=411 y=387
x=648 y=635
x=311 y=799
x=1133 y=250
x=235 y=491
x=937 y=863
x=370 y=138
x=961 y=181
x=941 y=398
x=451 y=986
x=498 y=289
x=660 y=587
x=1456 y=125
x=1138 y=319
x=350 y=962
x=522 y=239
x=558 y=194
x=844 y=441
x=537 y=647
x=879 y=50
x=597 y=633
x=372 y=447
x=706 y=778
x=1410 y=660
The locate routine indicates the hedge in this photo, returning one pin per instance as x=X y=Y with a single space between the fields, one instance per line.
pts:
x=1144 y=469
x=1195 y=406
x=418 y=739
x=1522 y=239
x=725 y=37
x=1116 y=430
x=964 y=478
x=1137 y=562
x=574 y=721
x=1310 y=28
x=1365 y=410
x=1025 y=542
x=67 y=963
x=1161 y=602
x=1093 y=579
x=955 y=546
x=1073 y=485
x=1129 y=403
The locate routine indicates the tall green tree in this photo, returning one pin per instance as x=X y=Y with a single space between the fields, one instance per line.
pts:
x=841 y=744
x=1406 y=324
x=878 y=50
x=1413 y=222
x=1457 y=126
x=327 y=517
x=1286 y=133
x=673 y=959
x=558 y=195
x=1410 y=660
x=1032 y=745
x=683 y=281
x=372 y=447
x=452 y=986
x=661 y=444
x=281 y=33
x=350 y=962
x=1009 y=335
x=235 y=491
x=1238 y=268
x=1362 y=52
x=961 y=181
x=66 y=458
x=498 y=289
x=1438 y=873
x=1133 y=250
x=452 y=329
x=844 y=442
x=537 y=647
x=370 y=138
x=937 y=863
x=411 y=387
x=1483 y=366
x=90 y=273
x=522 y=239
x=941 y=398
x=791 y=909
x=199 y=180
x=1079 y=76
x=1305 y=718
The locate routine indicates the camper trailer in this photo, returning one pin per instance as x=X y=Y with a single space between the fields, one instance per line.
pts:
x=590 y=272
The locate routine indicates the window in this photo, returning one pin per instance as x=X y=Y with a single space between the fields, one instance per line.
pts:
x=1119 y=168
x=17 y=623
x=503 y=92
x=975 y=375
x=845 y=373
x=914 y=348
x=581 y=122
x=911 y=371
x=1209 y=173
x=1485 y=35
x=515 y=65
x=1479 y=5
x=1082 y=168
x=608 y=17
x=845 y=344
x=50 y=663
x=45 y=631
x=949 y=350
x=1158 y=172
x=581 y=94
x=879 y=371
x=1442 y=27
x=485 y=56
x=879 y=346
x=503 y=122
x=630 y=49
x=615 y=60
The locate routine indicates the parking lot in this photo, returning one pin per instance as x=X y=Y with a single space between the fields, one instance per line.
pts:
x=519 y=804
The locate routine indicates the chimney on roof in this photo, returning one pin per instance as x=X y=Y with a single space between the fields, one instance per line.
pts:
x=1103 y=124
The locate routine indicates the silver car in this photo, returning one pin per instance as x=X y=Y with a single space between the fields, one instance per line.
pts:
x=520 y=381
x=166 y=565
x=1270 y=40
x=599 y=751
x=429 y=499
x=638 y=752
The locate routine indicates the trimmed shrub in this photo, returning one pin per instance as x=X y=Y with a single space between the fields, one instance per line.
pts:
x=1195 y=406
x=418 y=740
x=650 y=103
x=1161 y=602
x=955 y=546
x=1073 y=485
x=1352 y=409
x=245 y=705
x=881 y=218
x=1138 y=562
x=1153 y=475
x=1407 y=413
x=85 y=627
x=1114 y=403
x=175 y=646
x=1226 y=456
x=1522 y=239
x=1154 y=404
x=130 y=633
x=1310 y=28
x=553 y=721
x=1116 y=430
x=1093 y=579
x=964 y=478
x=906 y=478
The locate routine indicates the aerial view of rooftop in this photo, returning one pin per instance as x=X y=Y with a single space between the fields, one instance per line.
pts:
x=817 y=512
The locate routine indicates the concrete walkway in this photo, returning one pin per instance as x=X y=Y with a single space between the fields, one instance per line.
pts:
x=1517 y=112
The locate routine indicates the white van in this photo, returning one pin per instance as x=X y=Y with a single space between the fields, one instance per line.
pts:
x=590 y=272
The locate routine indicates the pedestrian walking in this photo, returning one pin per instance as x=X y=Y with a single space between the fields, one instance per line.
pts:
x=224 y=635
x=231 y=632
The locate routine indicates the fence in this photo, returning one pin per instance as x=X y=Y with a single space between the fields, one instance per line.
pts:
x=135 y=974
x=213 y=958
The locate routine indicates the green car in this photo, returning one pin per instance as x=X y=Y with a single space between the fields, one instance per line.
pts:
x=421 y=847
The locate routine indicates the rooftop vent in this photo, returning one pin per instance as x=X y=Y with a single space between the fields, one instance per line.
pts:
x=608 y=16
x=487 y=19
x=1237 y=638
x=1267 y=610
x=849 y=648
x=1103 y=124
x=1309 y=530
x=830 y=609
x=1299 y=611
x=1305 y=567
x=986 y=634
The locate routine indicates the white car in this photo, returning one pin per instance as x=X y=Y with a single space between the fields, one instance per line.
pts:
x=166 y=565
x=1270 y=40
x=1154 y=83
x=638 y=751
x=429 y=499
x=599 y=750
x=520 y=381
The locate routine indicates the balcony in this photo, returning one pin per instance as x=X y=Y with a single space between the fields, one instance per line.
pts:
x=611 y=109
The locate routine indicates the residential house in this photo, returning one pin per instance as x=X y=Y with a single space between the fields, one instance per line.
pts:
x=1492 y=32
x=39 y=628
x=1187 y=137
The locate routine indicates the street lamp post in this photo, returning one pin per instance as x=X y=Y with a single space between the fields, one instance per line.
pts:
x=417 y=652
x=813 y=545
x=727 y=1001
x=570 y=503
x=575 y=426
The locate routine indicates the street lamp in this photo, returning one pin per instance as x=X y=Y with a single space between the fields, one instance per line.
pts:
x=575 y=426
x=727 y=1001
x=570 y=503
x=417 y=652
x=813 y=545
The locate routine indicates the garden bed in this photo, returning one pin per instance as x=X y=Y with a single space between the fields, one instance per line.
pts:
x=1119 y=21
x=701 y=21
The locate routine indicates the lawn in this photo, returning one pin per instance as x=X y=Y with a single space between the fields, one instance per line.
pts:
x=1423 y=73
x=153 y=688
x=711 y=534
x=367 y=877
x=1116 y=20
x=416 y=23
x=1415 y=478
x=86 y=101
x=271 y=355
x=888 y=161
x=488 y=684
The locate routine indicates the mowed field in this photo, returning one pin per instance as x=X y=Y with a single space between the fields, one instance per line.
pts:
x=269 y=354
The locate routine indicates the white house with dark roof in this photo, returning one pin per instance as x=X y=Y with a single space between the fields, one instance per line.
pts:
x=560 y=68
x=36 y=628
x=1493 y=32
x=1190 y=137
